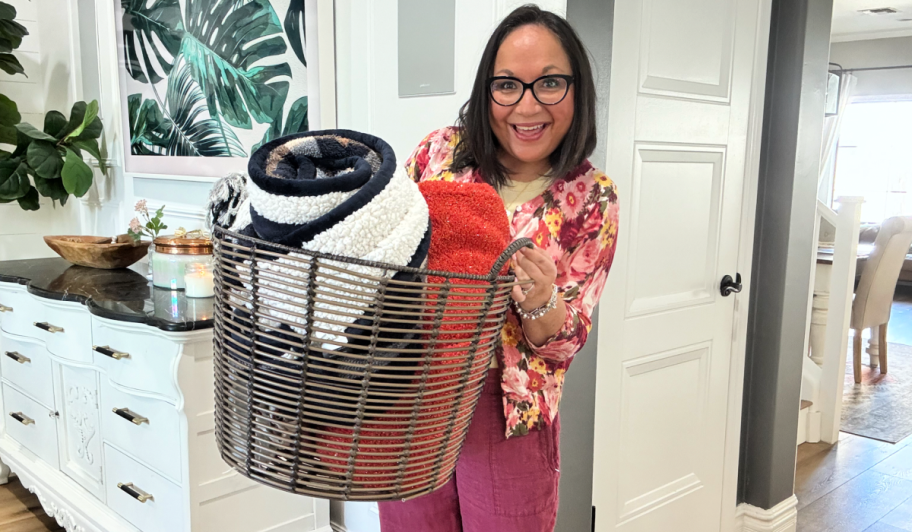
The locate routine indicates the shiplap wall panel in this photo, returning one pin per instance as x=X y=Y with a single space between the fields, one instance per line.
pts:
x=45 y=55
x=26 y=10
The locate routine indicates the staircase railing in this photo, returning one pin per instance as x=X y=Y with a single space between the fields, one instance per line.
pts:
x=829 y=325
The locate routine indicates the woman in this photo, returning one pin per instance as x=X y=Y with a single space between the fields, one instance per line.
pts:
x=526 y=130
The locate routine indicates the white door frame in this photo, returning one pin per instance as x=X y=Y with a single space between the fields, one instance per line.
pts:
x=728 y=519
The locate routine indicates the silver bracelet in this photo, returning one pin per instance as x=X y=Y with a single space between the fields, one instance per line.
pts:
x=540 y=311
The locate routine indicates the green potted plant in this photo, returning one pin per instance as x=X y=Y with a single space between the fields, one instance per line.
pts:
x=49 y=161
x=153 y=224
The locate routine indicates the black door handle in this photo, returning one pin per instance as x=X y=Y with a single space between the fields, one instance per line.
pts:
x=730 y=286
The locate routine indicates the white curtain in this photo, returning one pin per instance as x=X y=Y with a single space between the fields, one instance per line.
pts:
x=831 y=127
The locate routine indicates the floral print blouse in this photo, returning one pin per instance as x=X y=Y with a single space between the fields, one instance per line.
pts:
x=576 y=221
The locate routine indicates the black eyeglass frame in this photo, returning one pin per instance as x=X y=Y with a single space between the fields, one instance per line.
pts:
x=529 y=86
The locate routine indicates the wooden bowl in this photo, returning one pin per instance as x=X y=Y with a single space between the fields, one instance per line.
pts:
x=98 y=251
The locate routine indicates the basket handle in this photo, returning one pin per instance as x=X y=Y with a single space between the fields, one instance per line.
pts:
x=511 y=250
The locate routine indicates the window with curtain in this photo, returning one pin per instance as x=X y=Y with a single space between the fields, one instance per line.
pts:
x=874 y=158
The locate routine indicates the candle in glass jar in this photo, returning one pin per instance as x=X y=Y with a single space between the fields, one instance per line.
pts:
x=168 y=270
x=198 y=281
x=173 y=254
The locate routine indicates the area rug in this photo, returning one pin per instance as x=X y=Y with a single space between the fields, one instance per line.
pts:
x=881 y=406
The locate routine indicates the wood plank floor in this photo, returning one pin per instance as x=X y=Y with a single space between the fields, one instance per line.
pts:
x=21 y=512
x=856 y=485
x=859 y=484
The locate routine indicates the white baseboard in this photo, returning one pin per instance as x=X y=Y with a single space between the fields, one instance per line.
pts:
x=781 y=518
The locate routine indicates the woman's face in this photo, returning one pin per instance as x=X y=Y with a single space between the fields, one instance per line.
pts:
x=529 y=131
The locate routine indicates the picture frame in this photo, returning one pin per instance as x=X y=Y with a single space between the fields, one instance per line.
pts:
x=275 y=77
x=181 y=186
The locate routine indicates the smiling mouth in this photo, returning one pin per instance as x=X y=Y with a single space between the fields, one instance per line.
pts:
x=528 y=132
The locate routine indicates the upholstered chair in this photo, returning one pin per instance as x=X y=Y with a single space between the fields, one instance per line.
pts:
x=874 y=295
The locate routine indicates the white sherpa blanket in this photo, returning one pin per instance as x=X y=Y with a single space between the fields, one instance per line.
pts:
x=334 y=192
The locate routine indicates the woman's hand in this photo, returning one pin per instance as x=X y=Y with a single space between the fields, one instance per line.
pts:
x=537 y=265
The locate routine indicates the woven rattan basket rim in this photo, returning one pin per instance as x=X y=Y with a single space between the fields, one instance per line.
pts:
x=221 y=233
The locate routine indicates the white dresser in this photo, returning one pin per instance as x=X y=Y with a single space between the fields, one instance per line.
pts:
x=109 y=420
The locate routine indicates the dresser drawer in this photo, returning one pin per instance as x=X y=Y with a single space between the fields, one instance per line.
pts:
x=26 y=364
x=66 y=329
x=134 y=359
x=147 y=429
x=18 y=310
x=145 y=499
x=32 y=425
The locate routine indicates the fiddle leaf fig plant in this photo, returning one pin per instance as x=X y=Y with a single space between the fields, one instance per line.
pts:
x=49 y=161
x=11 y=34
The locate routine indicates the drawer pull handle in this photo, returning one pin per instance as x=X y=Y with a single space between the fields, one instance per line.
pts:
x=131 y=416
x=4 y=308
x=108 y=352
x=48 y=327
x=135 y=492
x=17 y=357
x=22 y=418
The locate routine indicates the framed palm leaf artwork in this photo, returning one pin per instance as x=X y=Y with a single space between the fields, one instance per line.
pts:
x=206 y=82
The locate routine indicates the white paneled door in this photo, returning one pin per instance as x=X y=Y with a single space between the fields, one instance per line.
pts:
x=686 y=93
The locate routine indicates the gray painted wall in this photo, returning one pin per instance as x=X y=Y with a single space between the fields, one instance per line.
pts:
x=877 y=53
x=577 y=415
x=593 y=20
x=783 y=248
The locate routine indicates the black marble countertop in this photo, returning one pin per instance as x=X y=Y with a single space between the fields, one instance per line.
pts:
x=123 y=295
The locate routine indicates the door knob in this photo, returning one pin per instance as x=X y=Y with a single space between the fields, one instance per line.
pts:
x=730 y=286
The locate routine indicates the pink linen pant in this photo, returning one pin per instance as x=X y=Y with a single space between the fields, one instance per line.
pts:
x=502 y=485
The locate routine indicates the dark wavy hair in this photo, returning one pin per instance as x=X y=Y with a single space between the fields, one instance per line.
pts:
x=478 y=147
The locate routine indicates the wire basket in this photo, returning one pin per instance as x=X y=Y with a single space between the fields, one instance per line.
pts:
x=347 y=379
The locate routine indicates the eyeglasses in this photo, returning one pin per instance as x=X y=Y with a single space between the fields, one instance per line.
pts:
x=548 y=90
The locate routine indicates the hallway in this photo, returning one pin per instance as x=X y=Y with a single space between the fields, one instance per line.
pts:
x=859 y=484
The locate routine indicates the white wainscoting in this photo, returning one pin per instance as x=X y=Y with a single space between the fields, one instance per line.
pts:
x=189 y=217
x=184 y=197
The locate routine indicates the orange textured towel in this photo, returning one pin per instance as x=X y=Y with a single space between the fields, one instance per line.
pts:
x=469 y=231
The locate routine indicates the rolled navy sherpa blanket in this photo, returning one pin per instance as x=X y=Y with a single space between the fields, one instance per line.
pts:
x=337 y=192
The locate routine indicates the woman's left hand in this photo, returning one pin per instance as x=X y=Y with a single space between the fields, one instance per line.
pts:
x=535 y=264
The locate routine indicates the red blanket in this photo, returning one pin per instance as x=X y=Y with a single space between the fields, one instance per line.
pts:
x=469 y=231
